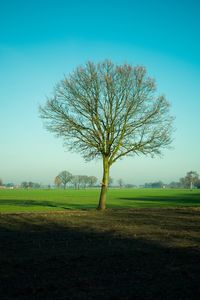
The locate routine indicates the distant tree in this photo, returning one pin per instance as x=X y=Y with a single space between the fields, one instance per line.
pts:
x=92 y=180
x=130 y=185
x=175 y=185
x=24 y=184
x=197 y=184
x=109 y=111
x=79 y=180
x=147 y=185
x=65 y=177
x=84 y=180
x=36 y=185
x=182 y=182
x=190 y=180
x=110 y=181
x=193 y=178
x=58 y=181
x=157 y=184
x=75 y=181
x=120 y=183
x=30 y=184
x=9 y=185
x=1 y=182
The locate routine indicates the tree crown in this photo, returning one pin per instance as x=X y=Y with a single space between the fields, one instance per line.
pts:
x=109 y=110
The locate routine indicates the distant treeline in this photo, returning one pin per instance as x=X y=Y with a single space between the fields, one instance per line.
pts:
x=191 y=180
x=65 y=178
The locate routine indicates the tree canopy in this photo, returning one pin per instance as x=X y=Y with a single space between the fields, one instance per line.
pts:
x=64 y=178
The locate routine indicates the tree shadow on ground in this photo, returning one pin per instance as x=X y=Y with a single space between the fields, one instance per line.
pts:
x=40 y=204
x=51 y=260
x=183 y=199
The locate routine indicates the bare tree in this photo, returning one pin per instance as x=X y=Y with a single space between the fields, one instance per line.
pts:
x=75 y=181
x=109 y=111
x=120 y=182
x=110 y=181
x=58 y=181
x=65 y=177
x=24 y=185
x=190 y=180
x=92 y=180
x=84 y=180
x=79 y=180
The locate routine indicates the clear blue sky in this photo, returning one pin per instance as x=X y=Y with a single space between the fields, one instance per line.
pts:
x=42 y=40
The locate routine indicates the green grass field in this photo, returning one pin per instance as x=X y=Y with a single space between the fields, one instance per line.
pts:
x=59 y=200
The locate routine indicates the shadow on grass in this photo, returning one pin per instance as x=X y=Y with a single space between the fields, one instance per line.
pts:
x=45 y=204
x=184 y=199
x=49 y=259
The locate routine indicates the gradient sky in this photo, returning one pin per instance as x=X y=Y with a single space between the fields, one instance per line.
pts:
x=40 y=41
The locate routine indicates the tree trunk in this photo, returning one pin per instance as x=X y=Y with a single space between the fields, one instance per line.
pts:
x=104 y=184
x=191 y=185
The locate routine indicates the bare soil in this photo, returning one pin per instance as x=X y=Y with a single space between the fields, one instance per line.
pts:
x=116 y=254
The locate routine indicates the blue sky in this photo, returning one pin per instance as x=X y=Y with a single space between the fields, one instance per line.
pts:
x=40 y=41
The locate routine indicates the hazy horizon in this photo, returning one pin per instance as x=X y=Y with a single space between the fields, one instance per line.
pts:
x=40 y=42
